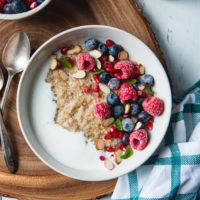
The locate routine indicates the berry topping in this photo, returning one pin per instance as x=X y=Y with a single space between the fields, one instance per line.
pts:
x=135 y=109
x=96 y=78
x=153 y=105
x=103 y=48
x=85 y=89
x=126 y=69
x=139 y=139
x=95 y=88
x=85 y=61
x=104 y=77
x=113 y=99
x=117 y=111
x=109 y=43
x=90 y=44
x=147 y=79
x=102 y=158
x=127 y=125
x=143 y=116
x=127 y=92
x=101 y=110
x=114 y=50
x=114 y=83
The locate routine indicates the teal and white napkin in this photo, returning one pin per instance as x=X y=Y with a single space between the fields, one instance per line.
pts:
x=173 y=172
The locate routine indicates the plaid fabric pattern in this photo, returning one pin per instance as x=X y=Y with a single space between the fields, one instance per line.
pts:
x=173 y=172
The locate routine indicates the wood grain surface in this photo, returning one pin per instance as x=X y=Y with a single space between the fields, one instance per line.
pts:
x=34 y=180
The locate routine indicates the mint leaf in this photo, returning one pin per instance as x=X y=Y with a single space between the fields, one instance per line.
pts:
x=149 y=90
x=65 y=63
x=132 y=81
x=97 y=71
x=118 y=124
x=128 y=153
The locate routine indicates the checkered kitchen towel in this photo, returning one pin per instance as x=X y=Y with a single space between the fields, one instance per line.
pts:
x=173 y=172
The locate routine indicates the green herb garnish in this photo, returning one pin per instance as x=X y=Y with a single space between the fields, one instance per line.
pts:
x=65 y=63
x=149 y=90
x=128 y=153
x=97 y=71
x=118 y=124
x=132 y=81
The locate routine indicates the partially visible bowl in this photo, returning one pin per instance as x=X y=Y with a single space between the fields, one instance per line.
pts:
x=24 y=14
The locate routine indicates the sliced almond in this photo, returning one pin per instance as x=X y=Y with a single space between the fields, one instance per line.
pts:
x=117 y=155
x=95 y=53
x=79 y=74
x=141 y=69
x=134 y=119
x=75 y=50
x=123 y=55
x=100 y=144
x=111 y=58
x=141 y=86
x=127 y=108
x=104 y=88
x=138 y=126
x=108 y=164
x=98 y=63
x=108 y=121
x=53 y=63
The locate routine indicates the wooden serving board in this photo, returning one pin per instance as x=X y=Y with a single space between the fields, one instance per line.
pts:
x=34 y=180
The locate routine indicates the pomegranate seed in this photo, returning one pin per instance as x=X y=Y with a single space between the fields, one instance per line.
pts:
x=69 y=59
x=85 y=89
x=64 y=50
x=33 y=5
x=102 y=158
x=114 y=134
x=122 y=147
x=120 y=134
x=103 y=58
x=142 y=94
x=96 y=78
x=29 y=1
x=110 y=149
x=58 y=64
x=149 y=125
x=107 y=136
x=125 y=116
x=113 y=129
x=108 y=64
x=95 y=88
x=110 y=70
x=109 y=43
x=98 y=96
x=117 y=75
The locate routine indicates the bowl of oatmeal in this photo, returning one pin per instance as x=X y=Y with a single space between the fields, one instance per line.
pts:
x=94 y=103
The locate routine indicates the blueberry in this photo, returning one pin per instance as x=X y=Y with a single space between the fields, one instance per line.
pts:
x=143 y=116
x=147 y=79
x=103 y=48
x=7 y=9
x=125 y=139
x=127 y=125
x=117 y=111
x=114 y=50
x=90 y=44
x=40 y=1
x=140 y=100
x=114 y=83
x=18 y=6
x=113 y=99
x=104 y=77
x=135 y=109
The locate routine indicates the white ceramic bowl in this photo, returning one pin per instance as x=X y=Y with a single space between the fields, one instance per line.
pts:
x=64 y=151
x=24 y=14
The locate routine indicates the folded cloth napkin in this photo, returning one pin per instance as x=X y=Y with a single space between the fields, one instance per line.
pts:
x=173 y=172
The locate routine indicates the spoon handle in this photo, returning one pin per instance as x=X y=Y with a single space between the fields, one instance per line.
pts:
x=5 y=94
x=7 y=148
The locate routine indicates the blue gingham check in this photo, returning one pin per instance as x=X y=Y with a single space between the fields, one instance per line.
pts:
x=173 y=172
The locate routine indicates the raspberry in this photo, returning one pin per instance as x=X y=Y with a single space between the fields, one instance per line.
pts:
x=101 y=110
x=139 y=139
x=127 y=92
x=126 y=69
x=85 y=62
x=153 y=106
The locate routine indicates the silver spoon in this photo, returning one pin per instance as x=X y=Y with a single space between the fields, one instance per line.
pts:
x=15 y=57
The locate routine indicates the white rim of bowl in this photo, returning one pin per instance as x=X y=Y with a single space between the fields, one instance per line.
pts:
x=19 y=89
x=24 y=14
